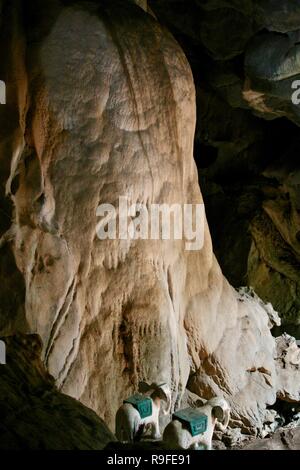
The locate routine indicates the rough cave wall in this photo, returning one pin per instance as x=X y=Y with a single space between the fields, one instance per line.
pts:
x=34 y=415
x=12 y=291
x=245 y=57
x=103 y=104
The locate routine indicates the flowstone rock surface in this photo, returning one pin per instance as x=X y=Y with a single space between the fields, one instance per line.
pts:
x=104 y=106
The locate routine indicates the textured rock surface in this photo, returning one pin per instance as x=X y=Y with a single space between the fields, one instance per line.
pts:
x=91 y=125
x=12 y=291
x=249 y=173
x=283 y=16
x=281 y=440
x=34 y=415
x=272 y=64
x=288 y=359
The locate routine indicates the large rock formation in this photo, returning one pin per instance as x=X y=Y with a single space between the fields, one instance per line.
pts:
x=102 y=107
x=245 y=59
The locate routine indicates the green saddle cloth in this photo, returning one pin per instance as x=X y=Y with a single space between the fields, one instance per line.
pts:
x=193 y=419
x=141 y=403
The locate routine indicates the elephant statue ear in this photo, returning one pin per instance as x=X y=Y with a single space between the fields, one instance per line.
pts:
x=218 y=413
x=144 y=387
x=163 y=391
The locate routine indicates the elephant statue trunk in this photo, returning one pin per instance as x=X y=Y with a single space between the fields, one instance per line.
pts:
x=164 y=394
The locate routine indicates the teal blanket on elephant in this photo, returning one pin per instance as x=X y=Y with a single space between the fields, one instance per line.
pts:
x=193 y=419
x=141 y=403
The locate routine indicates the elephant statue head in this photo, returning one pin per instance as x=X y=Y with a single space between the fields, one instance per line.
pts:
x=158 y=393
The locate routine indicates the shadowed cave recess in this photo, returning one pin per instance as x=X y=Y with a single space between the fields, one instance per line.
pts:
x=170 y=101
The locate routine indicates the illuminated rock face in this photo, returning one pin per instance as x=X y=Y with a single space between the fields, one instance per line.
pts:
x=110 y=111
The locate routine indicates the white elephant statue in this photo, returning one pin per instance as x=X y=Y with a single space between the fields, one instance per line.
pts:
x=129 y=423
x=177 y=435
